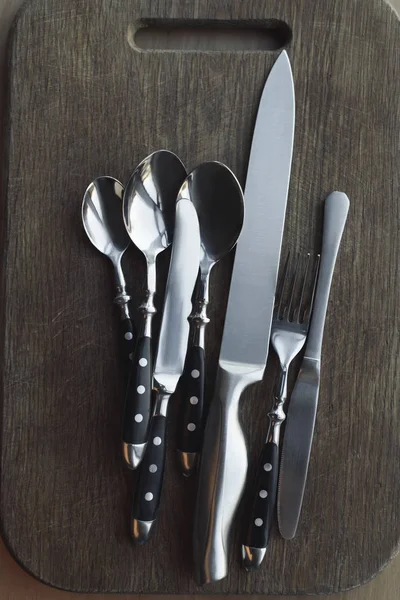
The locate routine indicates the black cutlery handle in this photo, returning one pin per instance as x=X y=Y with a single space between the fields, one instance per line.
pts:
x=149 y=486
x=127 y=334
x=262 y=498
x=190 y=425
x=137 y=413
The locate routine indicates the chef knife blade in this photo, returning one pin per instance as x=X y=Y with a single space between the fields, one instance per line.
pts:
x=172 y=345
x=247 y=327
x=303 y=403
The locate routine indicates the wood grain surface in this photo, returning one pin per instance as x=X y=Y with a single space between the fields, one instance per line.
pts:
x=84 y=102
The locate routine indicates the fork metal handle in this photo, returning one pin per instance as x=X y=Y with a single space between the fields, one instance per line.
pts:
x=335 y=214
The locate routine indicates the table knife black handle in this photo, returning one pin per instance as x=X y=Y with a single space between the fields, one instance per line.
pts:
x=149 y=486
x=261 y=507
x=138 y=404
x=191 y=414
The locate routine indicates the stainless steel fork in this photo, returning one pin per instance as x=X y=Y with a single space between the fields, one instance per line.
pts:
x=289 y=329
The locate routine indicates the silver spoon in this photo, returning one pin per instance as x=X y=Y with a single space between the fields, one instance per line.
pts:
x=104 y=226
x=149 y=216
x=218 y=198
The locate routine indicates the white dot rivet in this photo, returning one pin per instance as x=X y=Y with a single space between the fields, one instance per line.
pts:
x=191 y=426
x=128 y=336
x=267 y=467
x=258 y=522
x=131 y=356
x=143 y=362
x=195 y=374
x=149 y=496
x=153 y=468
x=194 y=400
x=157 y=441
x=138 y=418
x=263 y=493
x=141 y=389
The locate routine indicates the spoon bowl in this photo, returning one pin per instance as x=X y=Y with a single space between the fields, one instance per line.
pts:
x=104 y=226
x=218 y=198
x=149 y=202
x=101 y=217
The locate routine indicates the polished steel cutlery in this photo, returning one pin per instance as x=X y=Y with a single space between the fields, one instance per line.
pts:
x=104 y=226
x=289 y=329
x=170 y=358
x=149 y=215
x=218 y=198
x=245 y=342
x=304 y=399
x=204 y=216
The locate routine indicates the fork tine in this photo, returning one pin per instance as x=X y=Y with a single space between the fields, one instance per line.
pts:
x=280 y=288
x=308 y=312
x=297 y=312
x=315 y=280
x=295 y=277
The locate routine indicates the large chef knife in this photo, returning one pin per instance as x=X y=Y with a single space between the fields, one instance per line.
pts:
x=245 y=341
x=303 y=403
x=172 y=345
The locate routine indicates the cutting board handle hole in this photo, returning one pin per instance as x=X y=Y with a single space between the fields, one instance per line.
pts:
x=209 y=35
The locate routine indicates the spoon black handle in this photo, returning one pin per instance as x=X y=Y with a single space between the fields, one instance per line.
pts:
x=191 y=414
x=149 y=486
x=127 y=334
x=138 y=405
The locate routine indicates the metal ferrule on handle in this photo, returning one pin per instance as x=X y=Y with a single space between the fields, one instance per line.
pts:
x=147 y=308
x=122 y=298
x=198 y=318
x=277 y=414
x=122 y=301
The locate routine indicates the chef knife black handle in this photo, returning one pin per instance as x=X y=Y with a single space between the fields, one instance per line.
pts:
x=151 y=475
x=262 y=499
x=190 y=425
x=127 y=343
x=137 y=412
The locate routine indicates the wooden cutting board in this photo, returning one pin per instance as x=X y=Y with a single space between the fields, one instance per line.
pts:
x=84 y=101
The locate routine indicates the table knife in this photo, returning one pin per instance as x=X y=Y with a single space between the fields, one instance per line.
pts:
x=171 y=352
x=303 y=404
x=245 y=342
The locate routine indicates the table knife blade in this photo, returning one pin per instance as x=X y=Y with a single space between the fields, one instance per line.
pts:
x=169 y=363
